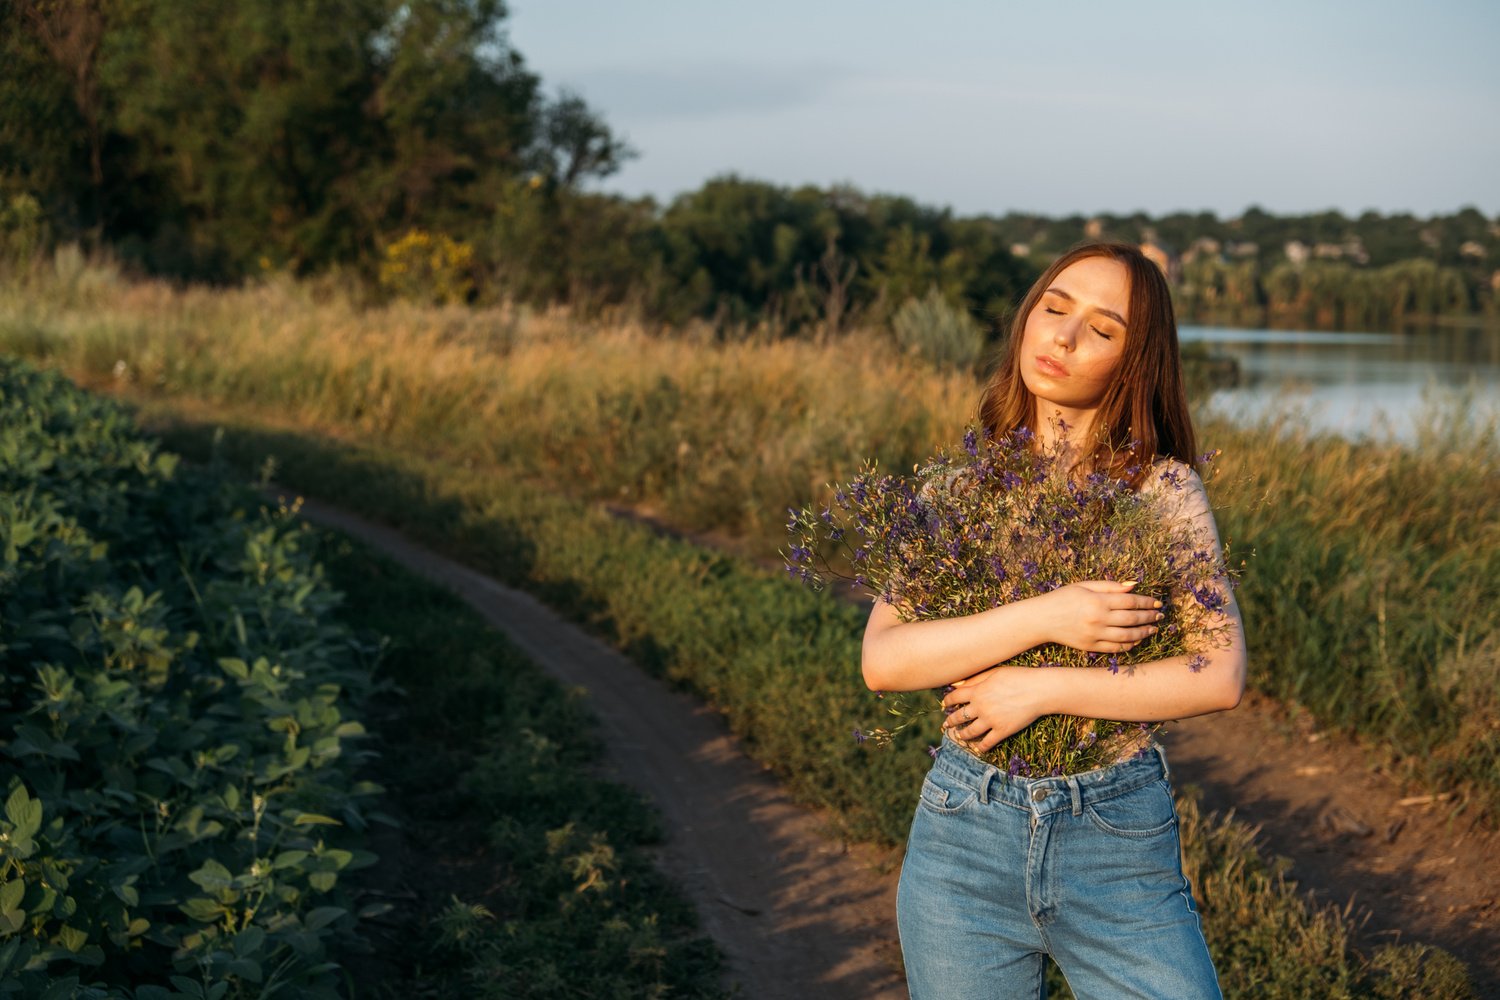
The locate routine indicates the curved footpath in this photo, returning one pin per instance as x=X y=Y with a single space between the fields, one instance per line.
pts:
x=798 y=913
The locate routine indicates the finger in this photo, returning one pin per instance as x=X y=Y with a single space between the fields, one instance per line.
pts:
x=972 y=732
x=1130 y=635
x=1132 y=602
x=1132 y=619
x=1108 y=586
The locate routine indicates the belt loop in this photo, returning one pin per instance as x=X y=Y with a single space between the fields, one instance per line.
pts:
x=1166 y=772
x=1077 y=798
x=984 y=784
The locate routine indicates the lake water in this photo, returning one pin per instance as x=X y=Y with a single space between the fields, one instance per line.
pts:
x=1355 y=384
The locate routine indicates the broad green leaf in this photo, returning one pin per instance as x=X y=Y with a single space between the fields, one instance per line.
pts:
x=72 y=938
x=11 y=893
x=24 y=811
x=213 y=876
x=321 y=917
x=60 y=989
x=310 y=819
x=249 y=941
x=191 y=987
x=247 y=969
x=322 y=881
x=203 y=909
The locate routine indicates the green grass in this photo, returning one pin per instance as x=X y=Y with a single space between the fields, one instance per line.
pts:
x=1372 y=600
x=781 y=663
x=532 y=873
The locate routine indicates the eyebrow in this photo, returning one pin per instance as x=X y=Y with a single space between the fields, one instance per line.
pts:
x=1054 y=290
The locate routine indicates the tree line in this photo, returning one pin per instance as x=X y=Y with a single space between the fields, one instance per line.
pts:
x=408 y=144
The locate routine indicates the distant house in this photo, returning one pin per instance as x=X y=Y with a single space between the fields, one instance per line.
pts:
x=1161 y=254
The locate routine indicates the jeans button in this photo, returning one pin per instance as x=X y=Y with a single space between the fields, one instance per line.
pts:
x=1038 y=794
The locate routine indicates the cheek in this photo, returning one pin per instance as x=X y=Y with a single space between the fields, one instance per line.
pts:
x=1103 y=369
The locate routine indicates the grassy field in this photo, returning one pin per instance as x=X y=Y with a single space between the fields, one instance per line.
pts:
x=522 y=873
x=771 y=655
x=195 y=693
x=1372 y=595
x=487 y=434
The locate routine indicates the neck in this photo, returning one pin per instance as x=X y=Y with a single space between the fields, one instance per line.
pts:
x=1069 y=429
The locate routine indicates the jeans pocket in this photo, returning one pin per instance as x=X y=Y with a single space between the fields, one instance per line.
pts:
x=1147 y=811
x=946 y=794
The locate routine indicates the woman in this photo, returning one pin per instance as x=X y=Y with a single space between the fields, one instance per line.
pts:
x=1002 y=870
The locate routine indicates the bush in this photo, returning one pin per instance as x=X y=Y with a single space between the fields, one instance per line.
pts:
x=174 y=720
x=941 y=333
x=428 y=268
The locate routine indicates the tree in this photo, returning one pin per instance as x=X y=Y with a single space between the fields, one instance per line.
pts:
x=573 y=143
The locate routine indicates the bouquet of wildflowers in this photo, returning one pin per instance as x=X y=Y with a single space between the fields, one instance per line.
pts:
x=1003 y=520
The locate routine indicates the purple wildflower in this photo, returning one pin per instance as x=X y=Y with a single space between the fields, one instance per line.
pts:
x=932 y=751
x=1197 y=662
x=1017 y=766
x=859 y=737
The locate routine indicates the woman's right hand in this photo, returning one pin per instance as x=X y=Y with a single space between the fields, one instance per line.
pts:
x=1100 y=616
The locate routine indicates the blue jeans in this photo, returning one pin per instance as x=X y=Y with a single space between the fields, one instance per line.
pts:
x=1000 y=871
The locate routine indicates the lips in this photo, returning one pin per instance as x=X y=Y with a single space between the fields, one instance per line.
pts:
x=1047 y=366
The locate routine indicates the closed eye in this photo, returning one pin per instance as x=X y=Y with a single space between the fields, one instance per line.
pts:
x=1101 y=333
x=1054 y=312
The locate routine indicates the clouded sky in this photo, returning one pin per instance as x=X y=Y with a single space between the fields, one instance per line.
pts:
x=990 y=106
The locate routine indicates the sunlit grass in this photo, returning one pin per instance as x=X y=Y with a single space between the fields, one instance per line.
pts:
x=1371 y=597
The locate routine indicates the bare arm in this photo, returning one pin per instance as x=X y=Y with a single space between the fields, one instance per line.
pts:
x=1004 y=700
x=1100 y=615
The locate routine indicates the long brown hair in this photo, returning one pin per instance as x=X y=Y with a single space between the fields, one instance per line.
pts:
x=1144 y=413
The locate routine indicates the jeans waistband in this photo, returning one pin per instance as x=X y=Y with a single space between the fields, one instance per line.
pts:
x=1045 y=795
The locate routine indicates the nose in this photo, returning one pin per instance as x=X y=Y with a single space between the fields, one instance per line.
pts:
x=1065 y=335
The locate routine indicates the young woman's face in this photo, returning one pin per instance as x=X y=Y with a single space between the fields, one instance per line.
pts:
x=1074 y=338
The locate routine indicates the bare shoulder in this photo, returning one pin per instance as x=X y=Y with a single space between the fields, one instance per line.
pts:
x=1179 y=490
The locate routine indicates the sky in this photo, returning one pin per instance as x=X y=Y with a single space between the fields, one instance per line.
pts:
x=992 y=106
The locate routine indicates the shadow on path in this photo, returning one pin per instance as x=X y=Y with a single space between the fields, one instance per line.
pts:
x=796 y=913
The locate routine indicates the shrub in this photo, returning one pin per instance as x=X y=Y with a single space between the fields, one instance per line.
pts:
x=428 y=268
x=943 y=334
x=174 y=720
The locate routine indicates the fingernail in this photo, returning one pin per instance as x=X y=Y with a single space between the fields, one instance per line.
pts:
x=1160 y=615
x=1158 y=604
x=1129 y=583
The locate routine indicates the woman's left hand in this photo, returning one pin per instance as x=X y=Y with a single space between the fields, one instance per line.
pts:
x=991 y=705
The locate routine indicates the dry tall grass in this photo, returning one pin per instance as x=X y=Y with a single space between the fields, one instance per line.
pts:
x=1372 y=599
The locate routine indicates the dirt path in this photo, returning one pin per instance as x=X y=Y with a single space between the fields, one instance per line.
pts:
x=796 y=913
x=800 y=914
x=1410 y=870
